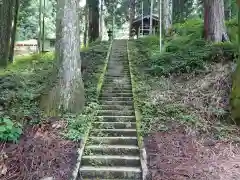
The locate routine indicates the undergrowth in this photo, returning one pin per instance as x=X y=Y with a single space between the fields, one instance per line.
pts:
x=23 y=82
x=188 y=83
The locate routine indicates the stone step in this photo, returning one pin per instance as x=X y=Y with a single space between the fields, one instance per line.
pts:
x=107 y=102
x=130 y=150
x=113 y=132
x=117 y=64
x=118 y=91
x=106 y=160
x=110 y=78
x=111 y=179
x=104 y=172
x=114 y=125
x=120 y=69
x=116 y=119
x=117 y=98
x=116 y=107
x=116 y=83
x=117 y=76
x=120 y=74
x=109 y=94
x=115 y=112
x=113 y=140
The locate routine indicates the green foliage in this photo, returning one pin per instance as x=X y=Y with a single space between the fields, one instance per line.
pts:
x=79 y=124
x=93 y=60
x=22 y=83
x=190 y=27
x=232 y=28
x=29 y=16
x=184 y=52
x=9 y=131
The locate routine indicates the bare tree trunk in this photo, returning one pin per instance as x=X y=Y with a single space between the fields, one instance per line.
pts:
x=177 y=11
x=6 y=16
x=131 y=15
x=14 y=29
x=235 y=93
x=43 y=25
x=40 y=26
x=101 y=20
x=93 y=20
x=68 y=94
x=227 y=9
x=166 y=16
x=214 y=26
x=86 y=27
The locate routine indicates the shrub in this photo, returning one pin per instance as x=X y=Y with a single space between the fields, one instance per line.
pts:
x=232 y=28
x=9 y=131
x=183 y=52
x=190 y=27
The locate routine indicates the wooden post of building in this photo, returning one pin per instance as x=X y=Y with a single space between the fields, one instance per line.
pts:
x=151 y=18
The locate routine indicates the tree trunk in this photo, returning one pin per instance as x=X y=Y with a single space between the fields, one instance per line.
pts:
x=40 y=26
x=43 y=25
x=6 y=16
x=14 y=29
x=101 y=21
x=177 y=11
x=214 y=26
x=93 y=32
x=131 y=15
x=235 y=93
x=227 y=9
x=86 y=27
x=68 y=95
x=167 y=21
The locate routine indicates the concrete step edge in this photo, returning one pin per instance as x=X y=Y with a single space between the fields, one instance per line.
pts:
x=108 y=168
x=125 y=157
x=111 y=147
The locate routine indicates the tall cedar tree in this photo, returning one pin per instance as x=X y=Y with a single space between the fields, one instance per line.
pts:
x=6 y=16
x=68 y=93
x=214 y=26
x=132 y=4
x=93 y=10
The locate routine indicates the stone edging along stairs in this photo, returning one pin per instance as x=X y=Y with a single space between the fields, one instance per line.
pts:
x=111 y=151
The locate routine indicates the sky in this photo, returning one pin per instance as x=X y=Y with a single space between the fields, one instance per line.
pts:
x=82 y=3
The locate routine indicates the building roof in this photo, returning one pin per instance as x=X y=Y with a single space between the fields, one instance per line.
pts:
x=139 y=18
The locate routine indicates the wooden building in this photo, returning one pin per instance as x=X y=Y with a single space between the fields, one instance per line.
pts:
x=137 y=25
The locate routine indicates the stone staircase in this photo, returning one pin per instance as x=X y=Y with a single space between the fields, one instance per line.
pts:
x=111 y=151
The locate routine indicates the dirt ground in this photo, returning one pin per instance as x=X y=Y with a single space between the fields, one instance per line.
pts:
x=40 y=153
x=177 y=155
